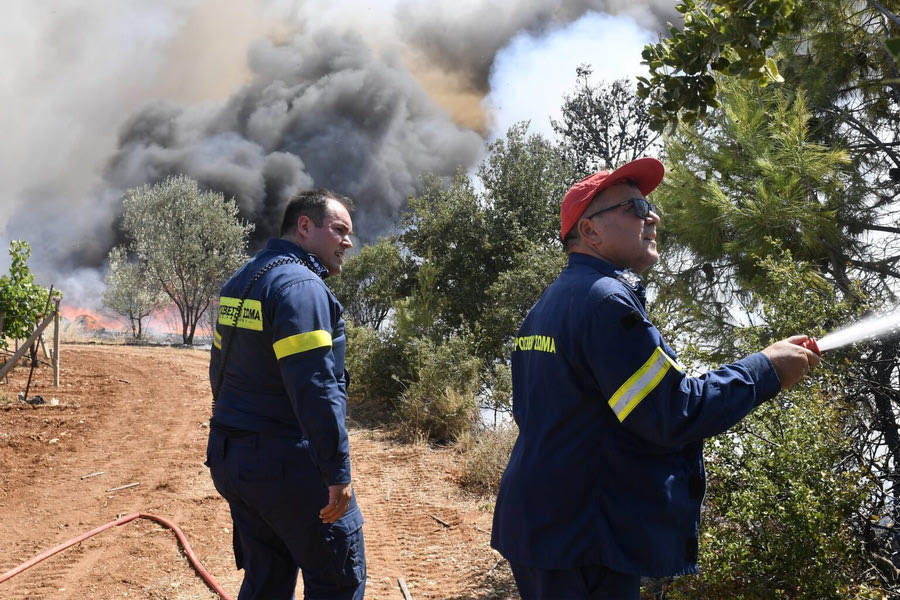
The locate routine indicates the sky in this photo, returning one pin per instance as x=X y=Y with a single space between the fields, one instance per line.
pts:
x=258 y=99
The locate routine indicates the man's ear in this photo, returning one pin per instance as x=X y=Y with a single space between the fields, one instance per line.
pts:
x=587 y=231
x=304 y=224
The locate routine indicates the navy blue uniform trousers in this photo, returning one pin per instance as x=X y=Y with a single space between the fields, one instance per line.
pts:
x=275 y=493
x=584 y=583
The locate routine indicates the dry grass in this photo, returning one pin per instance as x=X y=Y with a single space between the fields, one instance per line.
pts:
x=484 y=456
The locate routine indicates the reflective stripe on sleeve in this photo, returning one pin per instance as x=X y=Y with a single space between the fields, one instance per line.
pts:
x=217 y=340
x=302 y=342
x=641 y=383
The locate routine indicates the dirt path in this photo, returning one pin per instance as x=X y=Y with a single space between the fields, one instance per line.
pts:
x=137 y=415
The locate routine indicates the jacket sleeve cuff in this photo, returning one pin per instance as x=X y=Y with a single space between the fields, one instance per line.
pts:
x=763 y=372
x=339 y=476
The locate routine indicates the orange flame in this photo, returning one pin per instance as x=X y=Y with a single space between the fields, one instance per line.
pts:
x=95 y=319
x=165 y=321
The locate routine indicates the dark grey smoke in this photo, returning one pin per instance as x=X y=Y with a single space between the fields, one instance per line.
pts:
x=325 y=107
x=322 y=110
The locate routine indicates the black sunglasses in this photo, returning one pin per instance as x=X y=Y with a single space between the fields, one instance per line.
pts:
x=642 y=208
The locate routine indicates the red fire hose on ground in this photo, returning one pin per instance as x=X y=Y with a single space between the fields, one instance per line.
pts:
x=210 y=581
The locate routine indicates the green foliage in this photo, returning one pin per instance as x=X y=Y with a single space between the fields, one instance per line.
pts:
x=426 y=389
x=834 y=46
x=474 y=248
x=510 y=297
x=753 y=176
x=893 y=46
x=187 y=240
x=725 y=36
x=606 y=125
x=371 y=282
x=782 y=502
x=440 y=403
x=130 y=293
x=379 y=364
x=447 y=227
x=743 y=188
x=23 y=303
x=779 y=508
x=458 y=281
x=422 y=313
x=525 y=178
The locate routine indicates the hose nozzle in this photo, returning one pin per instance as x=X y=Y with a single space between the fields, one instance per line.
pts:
x=810 y=344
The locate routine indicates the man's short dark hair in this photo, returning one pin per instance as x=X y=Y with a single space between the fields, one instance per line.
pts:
x=313 y=204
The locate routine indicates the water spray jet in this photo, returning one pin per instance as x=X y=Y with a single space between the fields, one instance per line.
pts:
x=864 y=330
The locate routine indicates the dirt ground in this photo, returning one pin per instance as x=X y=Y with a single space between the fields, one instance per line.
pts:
x=125 y=433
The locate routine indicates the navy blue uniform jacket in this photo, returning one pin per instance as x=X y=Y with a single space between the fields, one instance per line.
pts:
x=285 y=374
x=608 y=466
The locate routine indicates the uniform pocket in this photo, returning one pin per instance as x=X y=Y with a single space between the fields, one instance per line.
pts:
x=347 y=549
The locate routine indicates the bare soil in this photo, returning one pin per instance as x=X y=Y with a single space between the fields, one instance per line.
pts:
x=137 y=416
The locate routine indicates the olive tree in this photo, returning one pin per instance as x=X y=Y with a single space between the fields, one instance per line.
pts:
x=188 y=241
x=129 y=293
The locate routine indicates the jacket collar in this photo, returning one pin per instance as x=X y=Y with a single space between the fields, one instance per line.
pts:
x=310 y=260
x=632 y=280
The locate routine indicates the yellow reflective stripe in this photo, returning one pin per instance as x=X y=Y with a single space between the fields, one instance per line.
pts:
x=641 y=383
x=302 y=342
x=250 y=317
x=217 y=340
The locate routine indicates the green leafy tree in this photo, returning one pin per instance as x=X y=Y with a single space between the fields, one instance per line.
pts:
x=471 y=237
x=725 y=36
x=745 y=185
x=524 y=177
x=832 y=59
x=605 y=125
x=447 y=226
x=130 y=293
x=22 y=301
x=834 y=56
x=418 y=314
x=372 y=281
x=849 y=40
x=475 y=258
x=782 y=506
x=188 y=241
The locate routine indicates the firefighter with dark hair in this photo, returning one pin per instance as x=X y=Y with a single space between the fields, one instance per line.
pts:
x=278 y=448
x=605 y=481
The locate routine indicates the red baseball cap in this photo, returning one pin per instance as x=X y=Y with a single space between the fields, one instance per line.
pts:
x=645 y=173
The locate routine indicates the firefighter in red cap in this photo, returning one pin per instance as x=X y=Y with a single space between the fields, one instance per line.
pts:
x=605 y=482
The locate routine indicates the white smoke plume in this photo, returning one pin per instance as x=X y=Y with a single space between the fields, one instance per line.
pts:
x=253 y=99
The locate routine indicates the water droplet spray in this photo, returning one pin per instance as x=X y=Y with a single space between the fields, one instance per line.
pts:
x=876 y=326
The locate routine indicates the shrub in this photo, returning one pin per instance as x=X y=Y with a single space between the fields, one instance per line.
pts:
x=378 y=363
x=777 y=521
x=485 y=455
x=440 y=403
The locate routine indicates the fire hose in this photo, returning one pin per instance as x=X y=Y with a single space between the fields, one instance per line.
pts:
x=210 y=581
